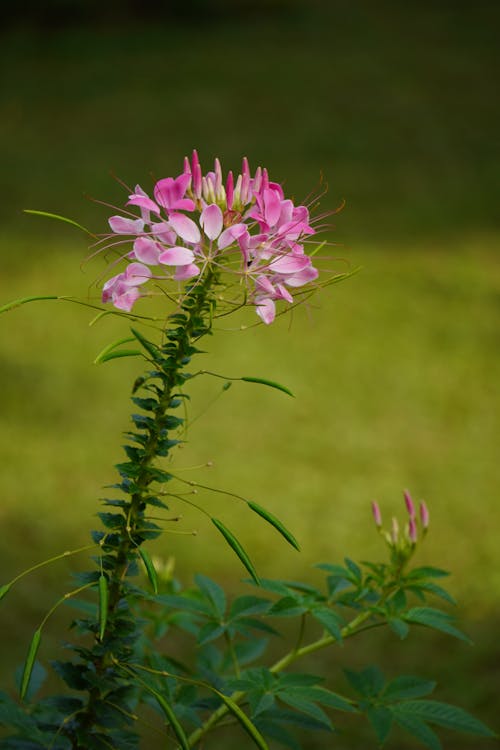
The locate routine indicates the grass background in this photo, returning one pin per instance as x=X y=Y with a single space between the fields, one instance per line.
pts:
x=395 y=371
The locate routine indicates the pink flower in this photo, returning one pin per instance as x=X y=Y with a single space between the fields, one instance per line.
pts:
x=377 y=515
x=410 y=507
x=243 y=223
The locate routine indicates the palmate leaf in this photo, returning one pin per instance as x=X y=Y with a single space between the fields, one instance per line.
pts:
x=381 y=720
x=213 y=593
x=406 y=687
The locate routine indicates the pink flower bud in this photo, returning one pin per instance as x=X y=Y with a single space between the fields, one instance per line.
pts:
x=395 y=531
x=230 y=190
x=410 y=507
x=412 y=530
x=377 y=515
x=424 y=515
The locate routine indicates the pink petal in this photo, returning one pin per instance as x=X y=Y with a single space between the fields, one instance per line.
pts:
x=184 y=227
x=120 y=225
x=164 y=232
x=186 y=272
x=144 y=202
x=231 y=234
x=289 y=264
x=136 y=273
x=176 y=256
x=126 y=300
x=211 y=221
x=263 y=284
x=183 y=204
x=146 y=251
x=303 y=277
x=283 y=293
x=272 y=207
x=266 y=310
x=164 y=192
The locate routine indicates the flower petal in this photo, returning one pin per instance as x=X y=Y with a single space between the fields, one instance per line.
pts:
x=289 y=264
x=266 y=310
x=136 y=273
x=176 y=256
x=144 y=202
x=186 y=272
x=126 y=300
x=146 y=251
x=120 y=225
x=184 y=227
x=211 y=220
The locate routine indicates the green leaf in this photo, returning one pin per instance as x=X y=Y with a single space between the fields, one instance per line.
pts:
x=407 y=686
x=64 y=219
x=381 y=720
x=418 y=729
x=354 y=569
x=170 y=716
x=110 y=351
x=151 y=348
x=150 y=569
x=426 y=571
x=214 y=593
x=30 y=662
x=436 y=619
x=368 y=682
x=399 y=627
x=270 y=383
x=274 y=522
x=330 y=621
x=103 y=605
x=237 y=548
x=299 y=702
x=248 y=605
x=243 y=719
x=433 y=588
x=445 y=715
x=4 y=590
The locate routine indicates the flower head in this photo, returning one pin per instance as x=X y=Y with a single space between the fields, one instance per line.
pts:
x=242 y=224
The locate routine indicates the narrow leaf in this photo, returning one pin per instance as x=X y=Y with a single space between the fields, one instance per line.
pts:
x=418 y=729
x=103 y=605
x=245 y=722
x=150 y=569
x=407 y=686
x=57 y=217
x=274 y=522
x=270 y=383
x=151 y=348
x=381 y=720
x=237 y=548
x=434 y=618
x=446 y=715
x=171 y=717
x=30 y=662
x=4 y=590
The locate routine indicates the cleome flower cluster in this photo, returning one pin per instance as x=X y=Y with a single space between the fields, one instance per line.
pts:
x=245 y=225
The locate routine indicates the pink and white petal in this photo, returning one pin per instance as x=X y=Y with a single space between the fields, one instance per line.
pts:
x=303 y=277
x=182 y=273
x=164 y=192
x=143 y=202
x=289 y=264
x=211 y=220
x=110 y=286
x=120 y=225
x=231 y=234
x=176 y=256
x=272 y=207
x=183 y=204
x=283 y=293
x=184 y=227
x=136 y=273
x=263 y=284
x=266 y=310
x=146 y=251
x=126 y=300
x=164 y=232
x=181 y=184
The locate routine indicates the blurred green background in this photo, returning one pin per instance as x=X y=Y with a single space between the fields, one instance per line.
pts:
x=395 y=371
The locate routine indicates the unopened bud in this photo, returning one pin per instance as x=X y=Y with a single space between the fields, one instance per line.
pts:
x=424 y=515
x=412 y=530
x=377 y=515
x=410 y=507
x=395 y=530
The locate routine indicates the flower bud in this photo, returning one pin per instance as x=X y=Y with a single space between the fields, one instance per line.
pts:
x=410 y=507
x=395 y=530
x=412 y=530
x=377 y=515
x=424 y=515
